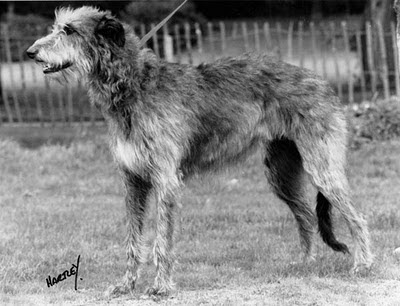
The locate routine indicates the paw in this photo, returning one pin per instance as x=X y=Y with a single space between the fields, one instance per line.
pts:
x=361 y=269
x=156 y=293
x=116 y=291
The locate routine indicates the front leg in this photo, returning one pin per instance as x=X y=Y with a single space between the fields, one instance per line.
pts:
x=163 y=246
x=137 y=192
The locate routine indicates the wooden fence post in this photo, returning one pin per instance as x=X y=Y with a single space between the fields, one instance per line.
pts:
x=1 y=115
x=370 y=56
x=143 y=33
x=70 y=105
x=257 y=37
x=177 y=42
x=199 y=37
x=61 y=105
x=384 y=67
x=300 y=42
x=7 y=45
x=211 y=39
x=155 y=42
x=39 y=111
x=245 y=37
x=267 y=36
x=335 y=58
x=359 y=55
x=234 y=30
x=23 y=81
x=223 y=36
x=50 y=101
x=92 y=114
x=396 y=58
x=168 y=45
x=290 y=40
x=323 y=52
x=78 y=95
x=7 y=105
x=188 y=42
x=349 y=67
x=313 y=46
x=278 y=37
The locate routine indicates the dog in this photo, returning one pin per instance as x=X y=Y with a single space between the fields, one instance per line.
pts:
x=168 y=122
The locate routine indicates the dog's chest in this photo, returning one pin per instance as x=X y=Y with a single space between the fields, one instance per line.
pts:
x=130 y=155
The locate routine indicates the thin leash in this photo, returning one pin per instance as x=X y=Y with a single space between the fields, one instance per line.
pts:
x=158 y=26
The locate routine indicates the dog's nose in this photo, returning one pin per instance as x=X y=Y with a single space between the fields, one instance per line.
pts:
x=32 y=52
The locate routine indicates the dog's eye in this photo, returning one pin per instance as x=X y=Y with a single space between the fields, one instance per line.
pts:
x=68 y=30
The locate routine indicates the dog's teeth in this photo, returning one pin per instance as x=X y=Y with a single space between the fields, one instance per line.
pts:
x=46 y=67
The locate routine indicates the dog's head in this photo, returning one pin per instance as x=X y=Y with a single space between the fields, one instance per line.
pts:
x=78 y=40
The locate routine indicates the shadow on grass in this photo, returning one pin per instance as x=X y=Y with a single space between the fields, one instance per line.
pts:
x=38 y=141
x=34 y=137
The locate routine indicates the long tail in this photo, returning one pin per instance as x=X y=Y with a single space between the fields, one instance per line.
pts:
x=324 y=208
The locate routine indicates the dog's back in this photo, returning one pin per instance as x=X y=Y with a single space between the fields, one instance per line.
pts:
x=227 y=108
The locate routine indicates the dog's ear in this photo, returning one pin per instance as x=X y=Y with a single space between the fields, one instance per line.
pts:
x=112 y=30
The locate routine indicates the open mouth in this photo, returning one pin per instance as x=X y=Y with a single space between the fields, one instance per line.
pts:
x=51 y=68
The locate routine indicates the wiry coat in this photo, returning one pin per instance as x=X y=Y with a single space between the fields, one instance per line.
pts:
x=207 y=116
x=170 y=121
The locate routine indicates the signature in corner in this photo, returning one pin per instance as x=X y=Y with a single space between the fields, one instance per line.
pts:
x=51 y=281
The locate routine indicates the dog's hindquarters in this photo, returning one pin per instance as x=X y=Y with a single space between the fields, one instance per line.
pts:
x=323 y=157
x=287 y=177
x=319 y=152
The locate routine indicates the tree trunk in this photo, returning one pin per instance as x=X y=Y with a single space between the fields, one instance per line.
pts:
x=397 y=10
x=381 y=11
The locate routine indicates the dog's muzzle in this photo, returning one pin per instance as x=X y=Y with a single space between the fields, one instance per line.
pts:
x=47 y=67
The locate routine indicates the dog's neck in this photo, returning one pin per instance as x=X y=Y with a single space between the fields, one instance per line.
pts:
x=115 y=75
x=121 y=79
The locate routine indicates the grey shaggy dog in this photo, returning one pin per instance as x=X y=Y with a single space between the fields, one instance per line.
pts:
x=168 y=122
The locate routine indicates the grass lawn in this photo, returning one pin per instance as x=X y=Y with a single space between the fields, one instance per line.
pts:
x=236 y=243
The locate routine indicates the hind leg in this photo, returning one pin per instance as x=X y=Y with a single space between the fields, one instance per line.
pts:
x=324 y=159
x=287 y=178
